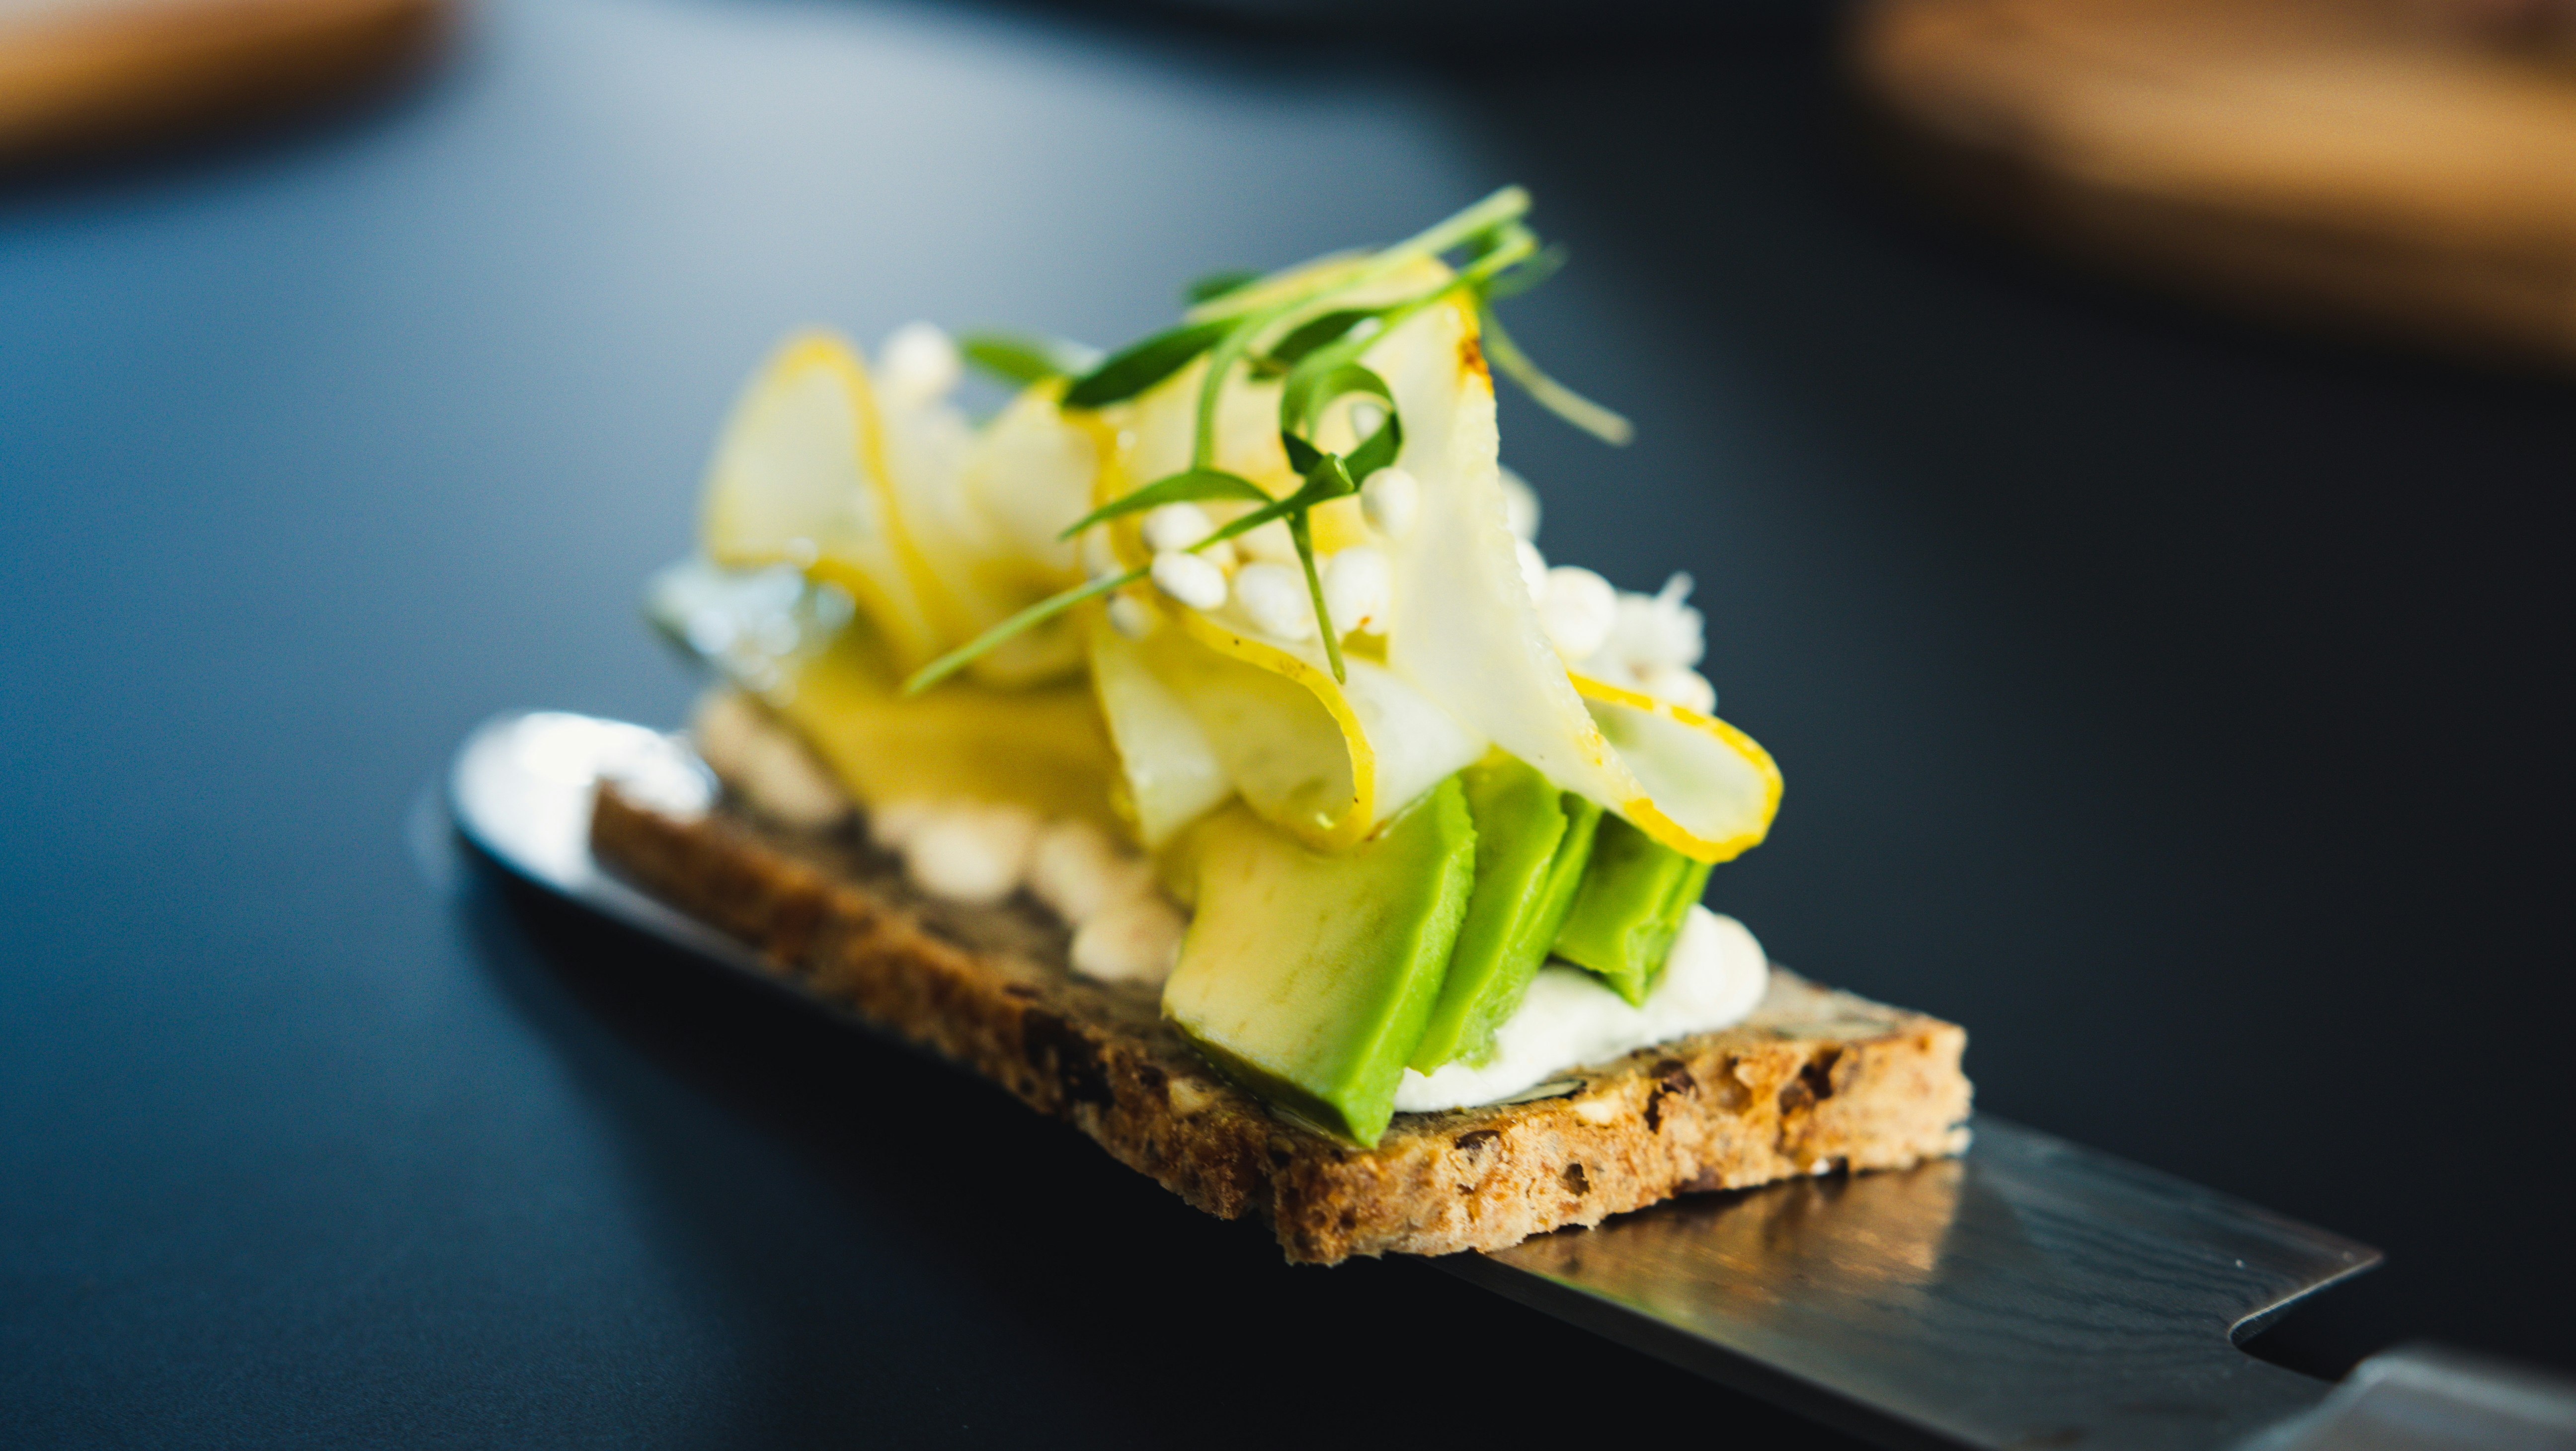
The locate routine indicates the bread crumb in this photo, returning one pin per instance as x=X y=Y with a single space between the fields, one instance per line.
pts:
x=1602 y=1110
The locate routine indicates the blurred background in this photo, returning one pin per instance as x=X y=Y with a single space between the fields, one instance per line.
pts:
x=2115 y=442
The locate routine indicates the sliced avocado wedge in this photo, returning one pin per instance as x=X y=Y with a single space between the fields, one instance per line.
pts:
x=1630 y=907
x=1307 y=977
x=1531 y=843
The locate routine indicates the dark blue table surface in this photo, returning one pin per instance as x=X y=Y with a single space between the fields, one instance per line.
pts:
x=2180 y=707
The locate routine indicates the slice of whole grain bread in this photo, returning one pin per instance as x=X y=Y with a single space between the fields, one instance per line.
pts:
x=1815 y=1081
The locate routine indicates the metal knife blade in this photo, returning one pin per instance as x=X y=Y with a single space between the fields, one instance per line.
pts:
x=2033 y=1293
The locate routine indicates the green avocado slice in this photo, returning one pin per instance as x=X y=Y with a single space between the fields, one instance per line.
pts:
x=1630 y=907
x=1531 y=843
x=1308 y=978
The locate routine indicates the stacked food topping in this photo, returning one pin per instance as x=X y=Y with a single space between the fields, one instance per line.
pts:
x=1255 y=595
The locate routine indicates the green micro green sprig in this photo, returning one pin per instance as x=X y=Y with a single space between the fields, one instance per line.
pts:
x=1318 y=361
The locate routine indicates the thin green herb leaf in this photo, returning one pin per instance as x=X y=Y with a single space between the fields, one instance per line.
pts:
x=1302 y=456
x=1025 y=360
x=1320 y=361
x=1350 y=347
x=1541 y=265
x=1299 y=533
x=1316 y=331
x=1228 y=351
x=1218 y=284
x=1187 y=486
x=1502 y=206
x=1246 y=523
x=1507 y=233
x=1555 y=397
x=1517 y=245
x=1311 y=390
x=1378 y=450
x=1139 y=366
x=1321 y=486
x=1036 y=614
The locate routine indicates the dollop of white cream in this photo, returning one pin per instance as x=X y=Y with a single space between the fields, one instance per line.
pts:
x=1714 y=978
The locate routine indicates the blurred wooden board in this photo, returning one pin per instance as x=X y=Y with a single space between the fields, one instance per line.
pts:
x=82 y=77
x=2360 y=163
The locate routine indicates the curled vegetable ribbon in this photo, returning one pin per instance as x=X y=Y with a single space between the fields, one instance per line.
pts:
x=1466 y=632
x=1466 y=661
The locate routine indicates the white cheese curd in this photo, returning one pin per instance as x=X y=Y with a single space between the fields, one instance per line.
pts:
x=1137 y=940
x=723 y=728
x=1274 y=598
x=1078 y=872
x=918 y=365
x=1714 y=978
x=1577 y=610
x=977 y=854
x=1680 y=685
x=893 y=823
x=1188 y=578
x=1391 y=500
x=1176 y=526
x=766 y=764
x=1651 y=633
x=784 y=782
x=970 y=852
x=1130 y=616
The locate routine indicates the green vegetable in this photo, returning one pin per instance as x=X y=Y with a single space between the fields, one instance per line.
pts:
x=1555 y=397
x=1531 y=845
x=1187 y=486
x=1629 y=908
x=1308 y=978
x=1025 y=360
x=1036 y=614
x=1218 y=284
x=1140 y=365
x=1317 y=331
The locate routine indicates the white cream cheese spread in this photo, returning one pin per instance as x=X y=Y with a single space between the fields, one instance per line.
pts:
x=1714 y=978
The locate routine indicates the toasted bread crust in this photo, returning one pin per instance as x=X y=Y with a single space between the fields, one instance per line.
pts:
x=1815 y=1081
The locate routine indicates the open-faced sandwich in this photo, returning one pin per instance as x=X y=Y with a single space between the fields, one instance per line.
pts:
x=1201 y=749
